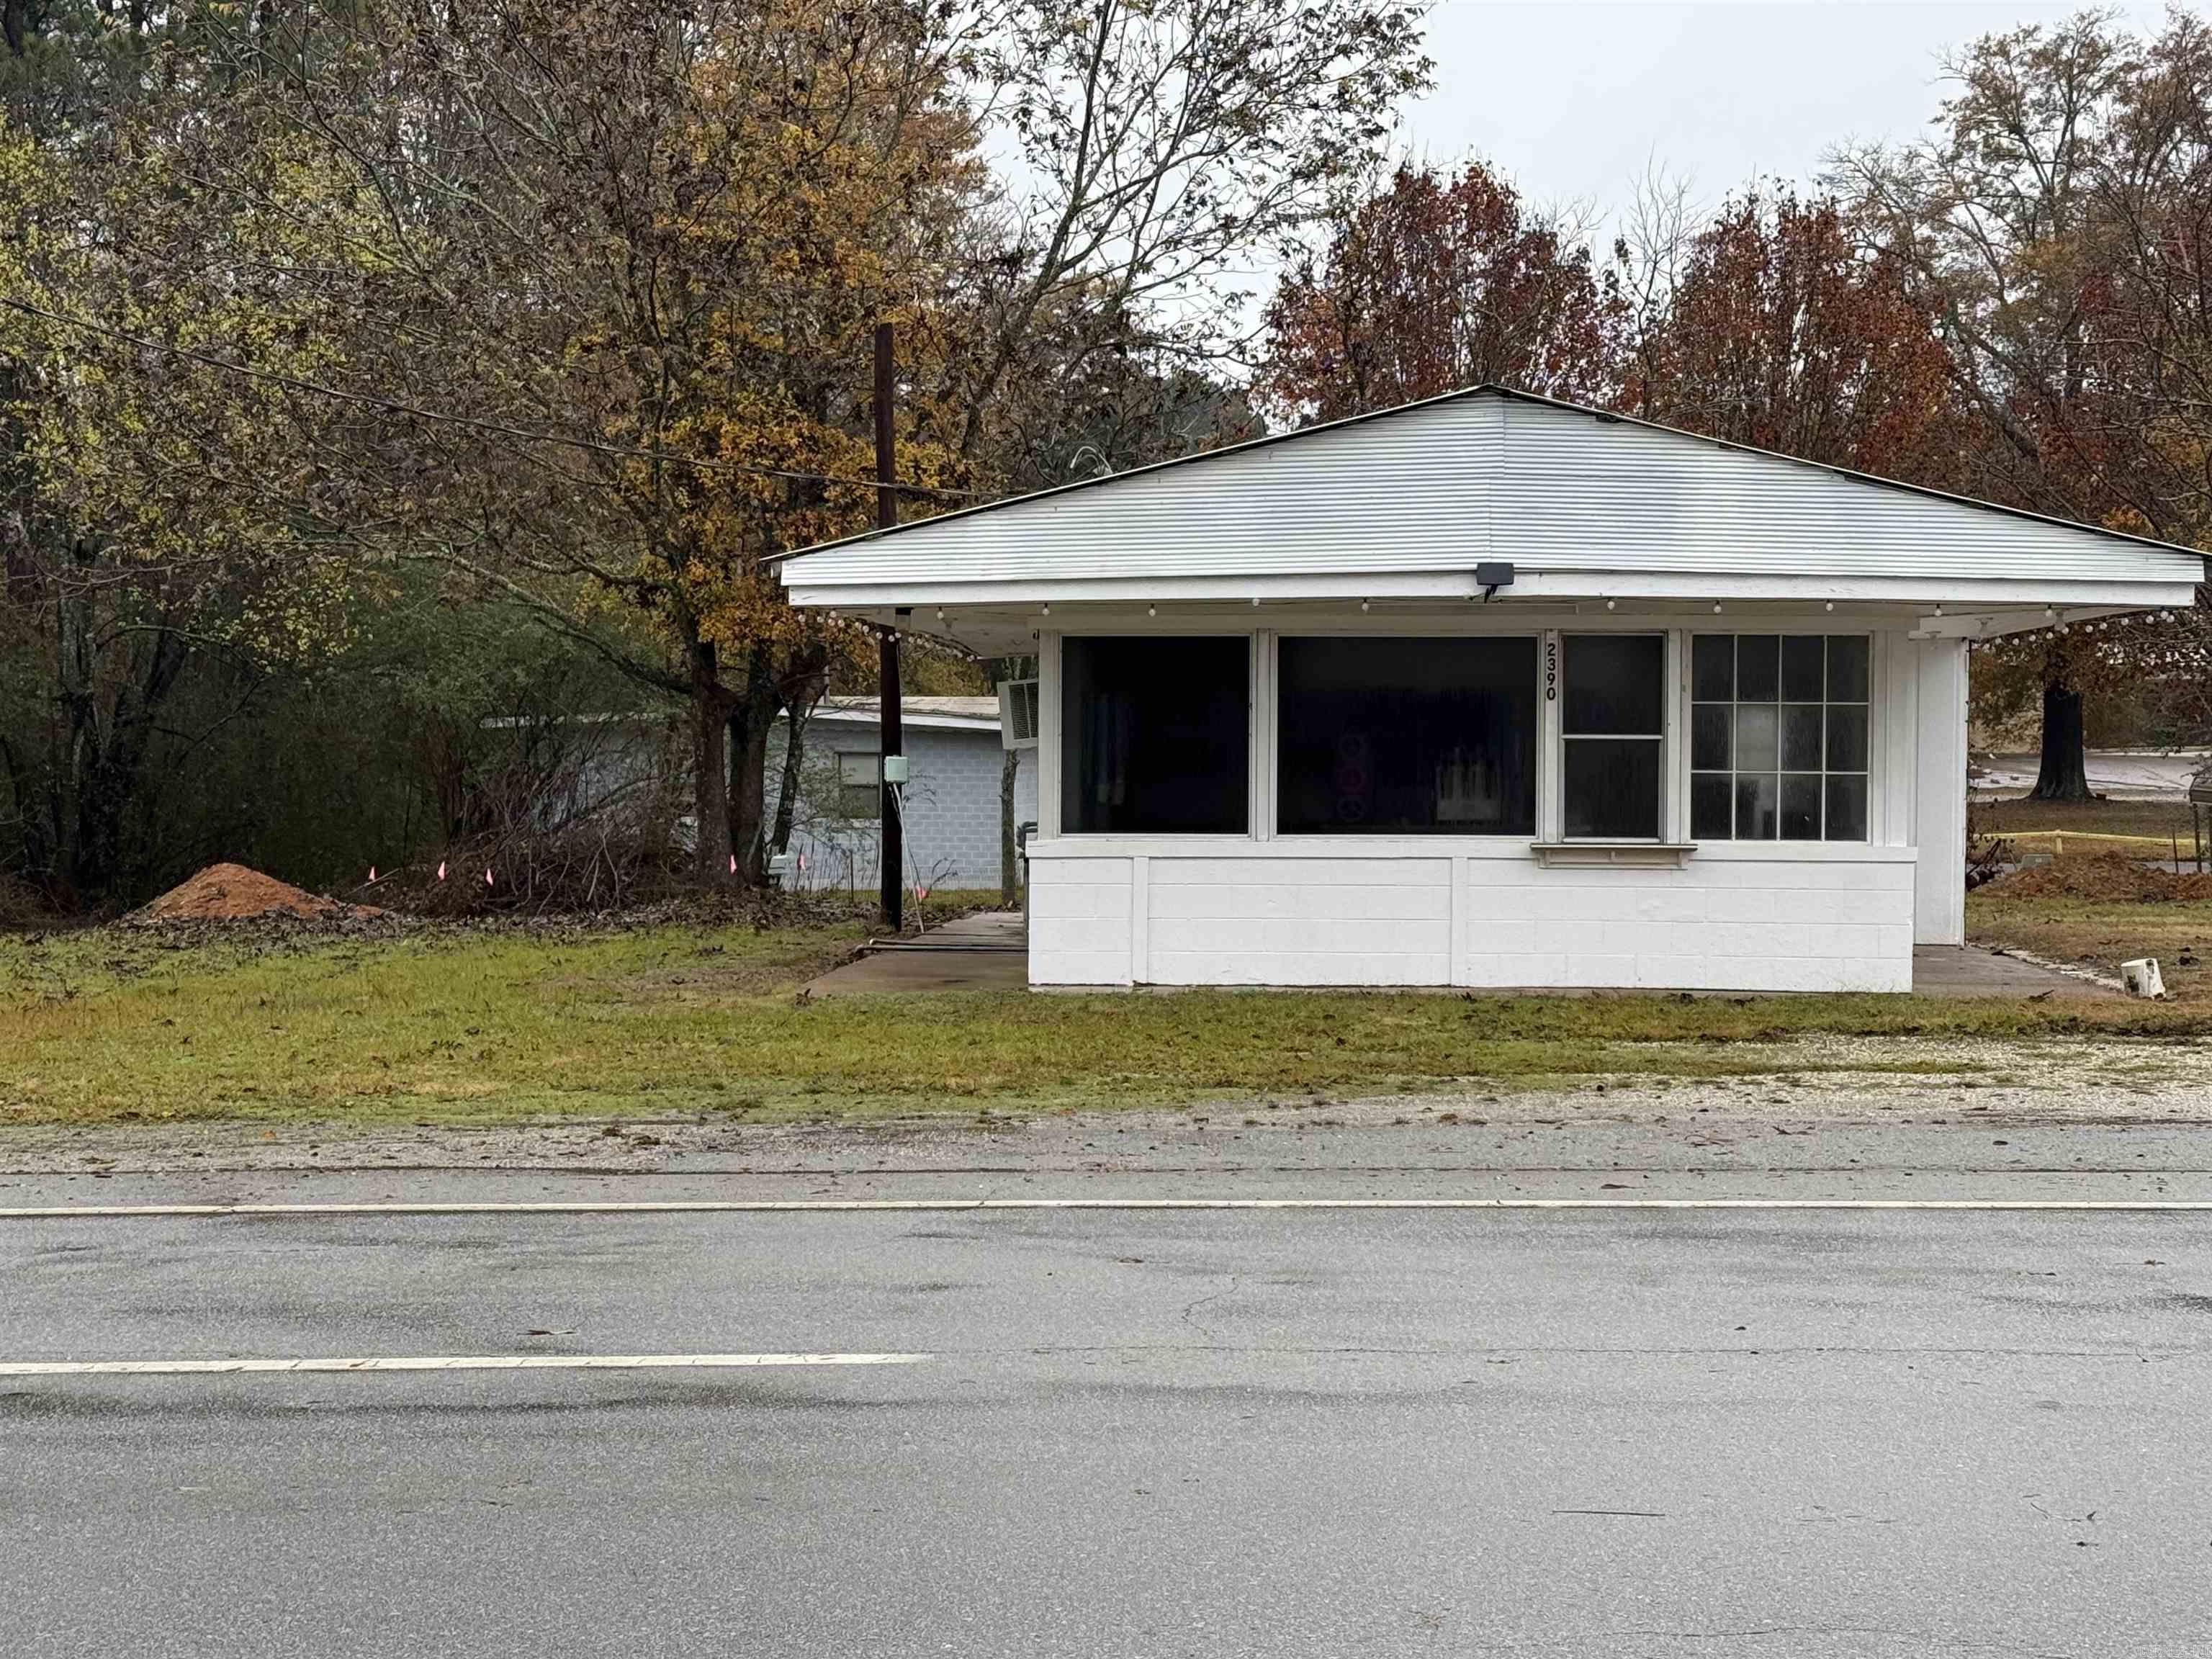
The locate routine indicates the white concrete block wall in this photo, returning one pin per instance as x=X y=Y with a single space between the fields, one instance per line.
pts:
x=1810 y=919
x=1939 y=791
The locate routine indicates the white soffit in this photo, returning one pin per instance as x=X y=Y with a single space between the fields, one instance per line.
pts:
x=1483 y=475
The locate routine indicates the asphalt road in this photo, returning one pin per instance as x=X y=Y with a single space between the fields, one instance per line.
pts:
x=1321 y=1432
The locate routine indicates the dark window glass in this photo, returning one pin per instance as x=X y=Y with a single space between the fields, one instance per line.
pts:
x=1434 y=736
x=1709 y=737
x=1800 y=737
x=1801 y=806
x=1712 y=668
x=1614 y=683
x=1612 y=712
x=1801 y=668
x=1847 y=808
x=1847 y=738
x=1754 y=806
x=1847 y=668
x=1710 y=811
x=1155 y=736
x=1612 y=788
x=1758 y=667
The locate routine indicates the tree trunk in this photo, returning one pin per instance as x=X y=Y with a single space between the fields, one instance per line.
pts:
x=794 y=753
x=2064 y=773
x=1009 y=842
x=751 y=717
x=710 y=767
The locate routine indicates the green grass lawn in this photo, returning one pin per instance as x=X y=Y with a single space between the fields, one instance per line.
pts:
x=497 y=1024
x=2103 y=933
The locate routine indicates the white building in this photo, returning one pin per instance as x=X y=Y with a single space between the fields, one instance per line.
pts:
x=954 y=794
x=1493 y=691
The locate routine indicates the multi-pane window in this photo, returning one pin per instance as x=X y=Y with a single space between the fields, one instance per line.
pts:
x=1612 y=735
x=1155 y=735
x=1407 y=736
x=1778 y=737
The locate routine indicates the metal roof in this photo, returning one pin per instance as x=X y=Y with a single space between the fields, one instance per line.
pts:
x=943 y=713
x=1484 y=474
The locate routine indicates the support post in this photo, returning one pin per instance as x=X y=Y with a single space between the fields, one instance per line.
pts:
x=891 y=736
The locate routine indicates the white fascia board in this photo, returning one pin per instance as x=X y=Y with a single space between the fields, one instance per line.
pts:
x=1989 y=625
x=1990 y=594
x=907 y=718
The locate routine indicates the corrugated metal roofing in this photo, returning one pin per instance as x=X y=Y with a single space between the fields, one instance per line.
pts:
x=1487 y=474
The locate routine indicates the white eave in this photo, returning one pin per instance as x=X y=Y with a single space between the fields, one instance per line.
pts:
x=1403 y=505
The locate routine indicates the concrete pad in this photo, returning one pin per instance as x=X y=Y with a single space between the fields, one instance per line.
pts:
x=986 y=951
x=1970 y=971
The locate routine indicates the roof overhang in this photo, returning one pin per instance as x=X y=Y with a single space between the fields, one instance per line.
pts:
x=1397 y=510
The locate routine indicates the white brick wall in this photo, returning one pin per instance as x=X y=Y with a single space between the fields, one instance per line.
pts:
x=1734 y=918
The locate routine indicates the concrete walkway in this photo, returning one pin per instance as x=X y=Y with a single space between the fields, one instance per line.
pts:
x=986 y=951
x=989 y=953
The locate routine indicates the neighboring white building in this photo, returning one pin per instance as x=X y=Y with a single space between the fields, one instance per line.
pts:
x=954 y=792
x=1493 y=691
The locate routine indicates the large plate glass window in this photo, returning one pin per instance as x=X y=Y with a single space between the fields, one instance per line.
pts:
x=1155 y=736
x=1778 y=737
x=1407 y=736
x=1613 y=701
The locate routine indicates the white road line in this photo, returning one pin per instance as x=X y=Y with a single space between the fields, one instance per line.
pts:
x=843 y=1206
x=488 y=1362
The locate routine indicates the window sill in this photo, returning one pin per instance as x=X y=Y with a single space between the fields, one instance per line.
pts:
x=1632 y=854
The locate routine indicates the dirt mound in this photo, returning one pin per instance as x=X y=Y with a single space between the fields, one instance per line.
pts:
x=2113 y=877
x=232 y=892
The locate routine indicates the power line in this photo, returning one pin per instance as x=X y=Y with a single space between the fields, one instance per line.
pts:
x=316 y=388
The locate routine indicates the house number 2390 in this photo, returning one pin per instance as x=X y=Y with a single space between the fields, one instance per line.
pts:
x=1551 y=671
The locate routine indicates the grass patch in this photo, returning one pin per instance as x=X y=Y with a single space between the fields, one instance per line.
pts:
x=2165 y=821
x=2102 y=933
x=498 y=1024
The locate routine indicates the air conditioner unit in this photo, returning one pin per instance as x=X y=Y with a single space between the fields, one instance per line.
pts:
x=1018 y=714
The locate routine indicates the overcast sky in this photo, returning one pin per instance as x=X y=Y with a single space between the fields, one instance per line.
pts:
x=1572 y=100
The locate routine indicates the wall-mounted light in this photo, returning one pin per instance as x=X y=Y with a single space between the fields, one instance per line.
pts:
x=1363 y=607
x=1609 y=604
x=1716 y=607
x=1152 y=610
x=1938 y=609
x=1047 y=610
x=1831 y=605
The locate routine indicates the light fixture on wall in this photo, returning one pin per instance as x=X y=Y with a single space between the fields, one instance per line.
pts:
x=1609 y=604
x=1938 y=609
x=1363 y=607
x=940 y=616
x=1152 y=610
x=1716 y=607
x=1831 y=605
x=1256 y=601
x=1045 y=610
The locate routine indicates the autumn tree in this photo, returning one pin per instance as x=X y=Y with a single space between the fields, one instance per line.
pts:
x=2023 y=222
x=139 y=540
x=1163 y=148
x=1435 y=282
x=1775 y=331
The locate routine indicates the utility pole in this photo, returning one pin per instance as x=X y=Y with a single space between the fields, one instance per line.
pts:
x=891 y=740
